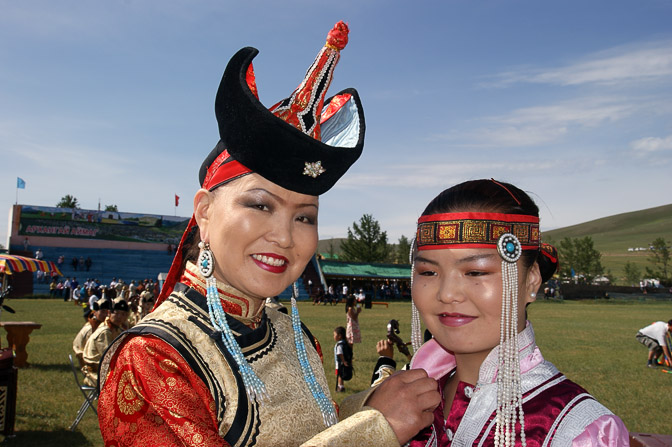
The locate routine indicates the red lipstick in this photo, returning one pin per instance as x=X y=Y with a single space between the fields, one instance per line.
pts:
x=270 y=262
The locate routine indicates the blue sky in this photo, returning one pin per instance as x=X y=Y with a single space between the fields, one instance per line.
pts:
x=569 y=100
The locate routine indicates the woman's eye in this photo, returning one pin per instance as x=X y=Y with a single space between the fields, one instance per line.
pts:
x=306 y=220
x=260 y=206
x=476 y=273
x=427 y=273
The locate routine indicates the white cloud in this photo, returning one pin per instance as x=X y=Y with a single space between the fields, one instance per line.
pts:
x=652 y=144
x=534 y=126
x=629 y=63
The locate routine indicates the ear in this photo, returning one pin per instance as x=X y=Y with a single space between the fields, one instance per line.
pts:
x=203 y=201
x=532 y=282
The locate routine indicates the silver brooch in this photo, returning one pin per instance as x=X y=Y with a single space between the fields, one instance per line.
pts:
x=509 y=247
x=313 y=169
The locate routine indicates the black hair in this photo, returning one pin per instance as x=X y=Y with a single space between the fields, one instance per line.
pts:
x=349 y=302
x=494 y=197
x=340 y=330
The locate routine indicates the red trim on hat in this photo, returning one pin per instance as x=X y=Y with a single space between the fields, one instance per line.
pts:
x=336 y=103
x=222 y=170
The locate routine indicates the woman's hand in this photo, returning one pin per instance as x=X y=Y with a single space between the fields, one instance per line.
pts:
x=407 y=399
x=385 y=348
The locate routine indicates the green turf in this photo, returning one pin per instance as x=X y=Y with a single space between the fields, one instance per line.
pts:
x=592 y=342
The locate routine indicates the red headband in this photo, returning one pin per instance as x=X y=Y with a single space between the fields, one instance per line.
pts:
x=475 y=230
x=224 y=169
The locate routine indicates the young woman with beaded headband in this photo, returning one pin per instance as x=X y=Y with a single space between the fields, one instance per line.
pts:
x=210 y=365
x=478 y=261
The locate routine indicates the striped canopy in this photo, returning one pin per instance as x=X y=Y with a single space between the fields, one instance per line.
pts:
x=14 y=264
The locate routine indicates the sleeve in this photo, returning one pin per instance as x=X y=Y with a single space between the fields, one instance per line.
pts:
x=152 y=397
x=91 y=352
x=384 y=368
x=365 y=427
x=78 y=343
x=607 y=431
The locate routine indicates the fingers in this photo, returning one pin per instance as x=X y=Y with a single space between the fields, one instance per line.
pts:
x=407 y=399
x=384 y=347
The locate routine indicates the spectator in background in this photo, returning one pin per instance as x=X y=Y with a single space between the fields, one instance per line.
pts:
x=88 y=263
x=90 y=325
x=75 y=263
x=59 y=289
x=101 y=339
x=67 y=289
x=352 y=310
x=342 y=359
x=39 y=255
x=653 y=337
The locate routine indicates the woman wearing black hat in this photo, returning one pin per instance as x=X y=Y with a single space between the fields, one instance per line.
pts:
x=211 y=365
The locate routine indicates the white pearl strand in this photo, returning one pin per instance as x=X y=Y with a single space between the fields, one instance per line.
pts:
x=509 y=392
x=416 y=337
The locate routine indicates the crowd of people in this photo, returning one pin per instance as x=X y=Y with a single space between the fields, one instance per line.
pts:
x=108 y=311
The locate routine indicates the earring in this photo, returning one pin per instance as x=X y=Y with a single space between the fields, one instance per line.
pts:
x=533 y=294
x=206 y=261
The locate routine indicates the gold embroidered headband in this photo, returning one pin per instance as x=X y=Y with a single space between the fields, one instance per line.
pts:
x=475 y=230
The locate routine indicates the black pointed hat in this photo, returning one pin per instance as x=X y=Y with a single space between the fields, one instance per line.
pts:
x=303 y=143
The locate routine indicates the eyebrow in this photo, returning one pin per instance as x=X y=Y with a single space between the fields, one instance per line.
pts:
x=459 y=261
x=475 y=258
x=280 y=199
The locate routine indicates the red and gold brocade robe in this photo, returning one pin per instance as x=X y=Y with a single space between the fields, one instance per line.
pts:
x=169 y=381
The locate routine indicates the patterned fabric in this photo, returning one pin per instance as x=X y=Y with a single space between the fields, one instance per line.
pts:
x=200 y=394
x=557 y=411
x=475 y=230
x=152 y=397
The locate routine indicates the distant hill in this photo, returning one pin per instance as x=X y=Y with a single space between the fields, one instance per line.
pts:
x=613 y=236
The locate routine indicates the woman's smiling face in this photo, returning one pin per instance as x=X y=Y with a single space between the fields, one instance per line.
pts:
x=459 y=295
x=261 y=235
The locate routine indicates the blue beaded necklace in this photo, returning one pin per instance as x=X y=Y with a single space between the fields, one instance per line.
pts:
x=254 y=386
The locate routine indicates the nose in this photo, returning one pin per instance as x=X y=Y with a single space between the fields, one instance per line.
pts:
x=282 y=232
x=450 y=290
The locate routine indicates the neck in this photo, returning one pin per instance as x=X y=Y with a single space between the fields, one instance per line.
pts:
x=468 y=366
x=243 y=307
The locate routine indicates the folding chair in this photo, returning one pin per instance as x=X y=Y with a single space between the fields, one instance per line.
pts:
x=90 y=396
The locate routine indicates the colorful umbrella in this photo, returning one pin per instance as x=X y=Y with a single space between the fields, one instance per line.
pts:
x=14 y=264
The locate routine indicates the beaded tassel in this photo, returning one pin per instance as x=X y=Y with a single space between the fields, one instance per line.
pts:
x=509 y=391
x=416 y=337
x=255 y=388
x=323 y=402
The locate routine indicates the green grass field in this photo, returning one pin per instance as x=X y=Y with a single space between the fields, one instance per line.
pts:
x=592 y=342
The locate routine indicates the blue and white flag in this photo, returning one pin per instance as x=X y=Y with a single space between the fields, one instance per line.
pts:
x=20 y=183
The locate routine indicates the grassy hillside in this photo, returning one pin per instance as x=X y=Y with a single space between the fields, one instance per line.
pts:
x=613 y=236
